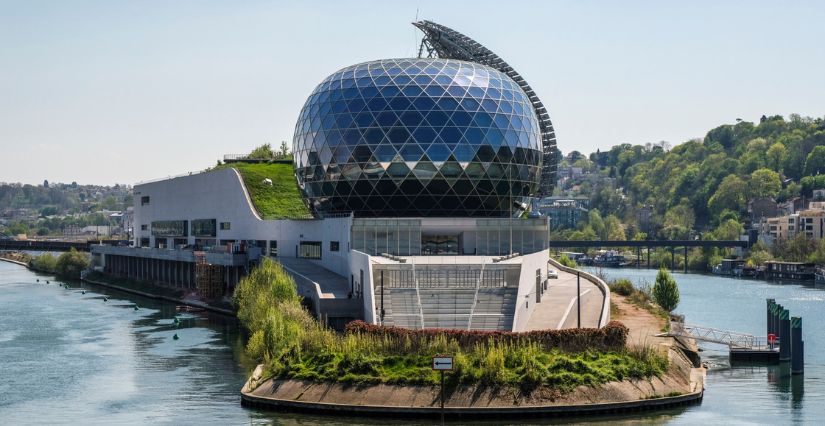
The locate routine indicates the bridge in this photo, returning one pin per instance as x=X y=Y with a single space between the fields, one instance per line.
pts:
x=36 y=245
x=712 y=335
x=639 y=244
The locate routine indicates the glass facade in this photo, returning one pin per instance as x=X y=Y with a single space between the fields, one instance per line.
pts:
x=487 y=236
x=417 y=137
x=170 y=228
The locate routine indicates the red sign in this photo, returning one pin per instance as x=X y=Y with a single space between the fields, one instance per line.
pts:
x=771 y=338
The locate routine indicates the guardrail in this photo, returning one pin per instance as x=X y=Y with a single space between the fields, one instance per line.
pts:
x=604 y=318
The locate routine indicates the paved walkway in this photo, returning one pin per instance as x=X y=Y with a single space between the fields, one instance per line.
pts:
x=557 y=309
x=332 y=285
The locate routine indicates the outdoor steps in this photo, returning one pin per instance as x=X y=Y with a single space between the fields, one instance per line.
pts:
x=450 y=308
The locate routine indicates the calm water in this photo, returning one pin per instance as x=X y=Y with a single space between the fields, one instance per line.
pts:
x=69 y=358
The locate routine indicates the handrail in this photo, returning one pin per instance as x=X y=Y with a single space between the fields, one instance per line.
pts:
x=475 y=297
x=418 y=295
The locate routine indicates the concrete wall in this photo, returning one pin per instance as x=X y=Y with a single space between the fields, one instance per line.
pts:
x=221 y=195
x=526 y=301
x=361 y=262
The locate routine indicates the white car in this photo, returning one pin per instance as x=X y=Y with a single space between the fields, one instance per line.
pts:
x=552 y=273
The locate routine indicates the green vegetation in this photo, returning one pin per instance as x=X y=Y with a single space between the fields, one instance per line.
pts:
x=265 y=152
x=700 y=188
x=68 y=265
x=568 y=262
x=291 y=344
x=71 y=263
x=44 y=262
x=622 y=286
x=640 y=297
x=280 y=199
x=665 y=291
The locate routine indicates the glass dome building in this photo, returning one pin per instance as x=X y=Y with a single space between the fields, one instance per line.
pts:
x=417 y=138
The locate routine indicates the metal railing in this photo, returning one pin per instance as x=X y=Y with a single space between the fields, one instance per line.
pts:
x=713 y=335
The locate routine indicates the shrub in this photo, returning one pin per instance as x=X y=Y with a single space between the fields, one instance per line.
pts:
x=622 y=286
x=665 y=291
x=44 y=262
x=610 y=337
x=566 y=261
x=71 y=263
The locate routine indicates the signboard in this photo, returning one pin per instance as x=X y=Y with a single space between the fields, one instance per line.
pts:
x=443 y=363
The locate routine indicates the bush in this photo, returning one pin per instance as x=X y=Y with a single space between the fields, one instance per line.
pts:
x=622 y=286
x=566 y=261
x=71 y=263
x=610 y=337
x=665 y=291
x=45 y=262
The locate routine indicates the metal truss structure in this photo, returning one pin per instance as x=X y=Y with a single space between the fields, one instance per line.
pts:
x=443 y=42
x=712 y=335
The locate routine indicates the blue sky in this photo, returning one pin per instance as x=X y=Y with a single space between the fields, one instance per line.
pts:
x=117 y=91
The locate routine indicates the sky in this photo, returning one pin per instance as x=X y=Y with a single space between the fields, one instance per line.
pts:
x=104 y=92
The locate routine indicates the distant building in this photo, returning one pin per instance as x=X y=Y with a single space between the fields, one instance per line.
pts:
x=563 y=212
x=760 y=208
x=643 y=216
x=811 y=222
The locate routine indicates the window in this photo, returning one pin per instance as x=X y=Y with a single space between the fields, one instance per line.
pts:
x=333 y=246
x=144 y=227
x=204 y=227
x=309 y=250
x=273 y=248
x=225 y=226
x=144 y=242
x=170 y=228
x=144 y=200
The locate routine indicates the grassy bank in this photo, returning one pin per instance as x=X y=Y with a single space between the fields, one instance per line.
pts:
x=279 y=200
x=291 y=344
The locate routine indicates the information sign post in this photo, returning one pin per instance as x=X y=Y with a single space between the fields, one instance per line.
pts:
x=442 y=364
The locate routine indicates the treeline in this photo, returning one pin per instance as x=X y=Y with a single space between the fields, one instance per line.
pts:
x=704 y=184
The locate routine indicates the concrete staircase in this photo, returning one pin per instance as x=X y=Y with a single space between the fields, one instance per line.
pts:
x=449 y=297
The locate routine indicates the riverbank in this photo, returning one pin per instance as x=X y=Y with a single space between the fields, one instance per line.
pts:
x=15 y=257
x=682 y=383
x=155 y=292
x=142 y=289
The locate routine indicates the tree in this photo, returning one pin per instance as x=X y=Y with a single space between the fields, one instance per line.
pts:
x=665 y=291
x=729 y=195
x=765 y=183
x=614 y=228
x=263 y=152
x=815 y=163
x=776 y=156
x=71 y=263
x=284 y=149
x=730 y=229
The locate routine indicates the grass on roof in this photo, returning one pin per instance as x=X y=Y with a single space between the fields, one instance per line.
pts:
x=279 y=200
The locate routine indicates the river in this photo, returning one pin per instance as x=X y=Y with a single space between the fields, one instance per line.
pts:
x=69 y=358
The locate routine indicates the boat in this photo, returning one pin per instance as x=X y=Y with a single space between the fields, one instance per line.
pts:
x=609 y=259
x=819 y=276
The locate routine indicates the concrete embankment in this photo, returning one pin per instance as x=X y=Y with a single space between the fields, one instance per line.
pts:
x=125 y=289
x=6 y=259
x=681 y=386
x=181 y=301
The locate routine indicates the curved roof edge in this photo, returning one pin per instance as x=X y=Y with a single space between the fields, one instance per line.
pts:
x=444 y=42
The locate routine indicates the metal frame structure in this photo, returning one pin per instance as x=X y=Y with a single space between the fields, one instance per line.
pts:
x=443 y=42
x=712 y=335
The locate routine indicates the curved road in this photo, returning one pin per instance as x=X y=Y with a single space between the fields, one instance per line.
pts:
x=557 y=309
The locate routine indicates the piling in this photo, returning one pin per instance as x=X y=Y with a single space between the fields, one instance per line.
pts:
x=784 y=335
x=797 y=346
x=769 y=323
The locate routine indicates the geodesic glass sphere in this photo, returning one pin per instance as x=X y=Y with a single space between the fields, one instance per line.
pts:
x=417 y=137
